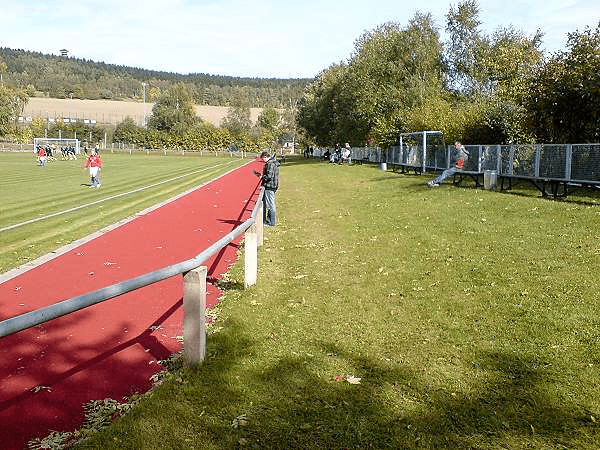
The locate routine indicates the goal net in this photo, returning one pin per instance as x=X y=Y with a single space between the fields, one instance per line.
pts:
x=58 y=145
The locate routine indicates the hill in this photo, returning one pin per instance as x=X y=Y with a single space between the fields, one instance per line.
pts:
x=63 y=77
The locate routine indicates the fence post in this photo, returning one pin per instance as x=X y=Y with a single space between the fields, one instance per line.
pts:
x=569 y=161
x=499 y=159
x=251 y=255
x=424 y=143
x=194 y=321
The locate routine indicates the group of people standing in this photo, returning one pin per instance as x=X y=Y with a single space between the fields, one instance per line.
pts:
x=44 y=153
x=339 y=155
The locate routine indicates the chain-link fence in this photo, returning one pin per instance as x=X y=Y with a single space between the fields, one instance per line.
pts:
x=555 y=164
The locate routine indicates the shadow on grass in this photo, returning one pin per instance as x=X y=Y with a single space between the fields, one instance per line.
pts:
x=577 y=195
x=290 y=404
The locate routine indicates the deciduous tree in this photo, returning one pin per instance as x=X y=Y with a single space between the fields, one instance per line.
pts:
x=174 y=111
x=564 y=96
x=12 y=103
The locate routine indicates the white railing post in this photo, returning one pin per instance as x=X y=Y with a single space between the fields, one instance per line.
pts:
x=251 y=255
x=194 y=321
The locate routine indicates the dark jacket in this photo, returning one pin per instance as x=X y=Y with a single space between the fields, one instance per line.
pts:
x=270 y=179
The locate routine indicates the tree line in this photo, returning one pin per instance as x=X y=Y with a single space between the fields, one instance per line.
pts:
x=480 y=88
x=64 y=77
x=173 y=124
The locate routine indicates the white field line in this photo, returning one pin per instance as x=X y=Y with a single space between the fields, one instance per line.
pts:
x=17 y=225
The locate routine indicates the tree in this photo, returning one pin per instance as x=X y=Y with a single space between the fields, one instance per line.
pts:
x=38 y=127
x=3 y=69
x=128 y=132
x=317 y=112
x=238 y=120
x=269 y=119
x=407 y=71
x=12 y=103
x=509 y=61
x=491 y=72
x=173 y=111
x=464 y=48
x=392 y=70
x=563 y=98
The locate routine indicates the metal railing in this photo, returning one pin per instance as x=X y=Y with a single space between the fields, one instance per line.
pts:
x=194 y=275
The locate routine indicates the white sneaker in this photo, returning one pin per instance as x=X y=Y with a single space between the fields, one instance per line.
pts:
x=432 y=184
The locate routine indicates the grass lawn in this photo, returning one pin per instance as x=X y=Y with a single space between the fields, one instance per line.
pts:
x=391 y=315
x=130 y=183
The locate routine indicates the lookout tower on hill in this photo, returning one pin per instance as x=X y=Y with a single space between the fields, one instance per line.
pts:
x=64 y=52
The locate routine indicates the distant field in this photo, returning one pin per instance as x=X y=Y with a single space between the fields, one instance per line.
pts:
x=111 y=111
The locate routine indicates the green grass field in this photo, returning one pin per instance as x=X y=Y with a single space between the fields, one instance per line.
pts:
x=390 y=315
x=130 y=183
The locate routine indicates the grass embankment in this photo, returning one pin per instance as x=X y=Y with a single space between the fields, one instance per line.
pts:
x=390 y=315
x=130 y=183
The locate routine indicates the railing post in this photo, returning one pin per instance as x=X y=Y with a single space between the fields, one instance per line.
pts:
x=251 y=254
x=194 y=321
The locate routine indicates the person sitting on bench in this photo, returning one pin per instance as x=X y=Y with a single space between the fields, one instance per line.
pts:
x=461 y=159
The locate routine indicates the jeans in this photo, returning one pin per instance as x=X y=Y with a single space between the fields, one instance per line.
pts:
x=445 y=174
x=269 y=212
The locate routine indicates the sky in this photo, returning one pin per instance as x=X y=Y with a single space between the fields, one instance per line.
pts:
x=253 y=38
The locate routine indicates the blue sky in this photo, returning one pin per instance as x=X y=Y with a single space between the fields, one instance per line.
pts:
x=252 y=38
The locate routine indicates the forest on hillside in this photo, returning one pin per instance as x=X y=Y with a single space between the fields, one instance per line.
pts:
x=64 y=77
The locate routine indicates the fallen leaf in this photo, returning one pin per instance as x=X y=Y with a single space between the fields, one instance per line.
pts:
x=41 y=388
x=352 y=379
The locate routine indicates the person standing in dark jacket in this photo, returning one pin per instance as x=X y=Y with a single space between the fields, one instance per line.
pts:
x=270 y=181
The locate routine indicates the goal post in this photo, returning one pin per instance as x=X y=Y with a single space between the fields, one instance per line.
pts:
x=423 y=149
x=57 y=143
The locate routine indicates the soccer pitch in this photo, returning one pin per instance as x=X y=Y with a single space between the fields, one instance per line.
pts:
x=44 y=208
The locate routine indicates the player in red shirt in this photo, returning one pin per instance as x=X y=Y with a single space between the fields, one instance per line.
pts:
x=41 y=156
x=94 y=163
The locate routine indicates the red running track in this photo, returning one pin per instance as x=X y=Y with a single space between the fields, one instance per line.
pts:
x=110 y=350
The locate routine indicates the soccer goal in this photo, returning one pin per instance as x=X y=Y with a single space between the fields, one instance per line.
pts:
x=63 y=145
x=420 y=150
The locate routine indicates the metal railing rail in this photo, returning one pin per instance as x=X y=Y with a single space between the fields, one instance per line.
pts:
x=253 y=229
